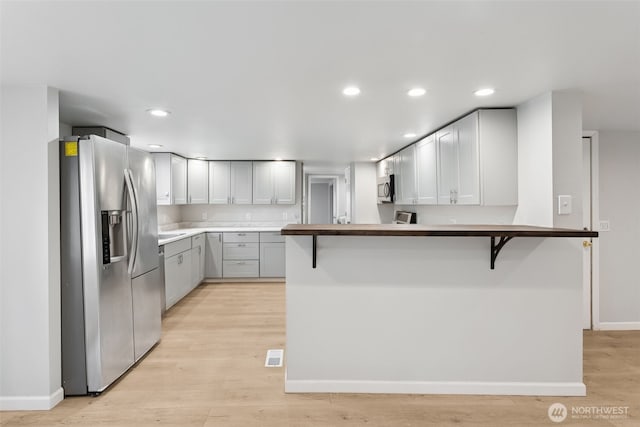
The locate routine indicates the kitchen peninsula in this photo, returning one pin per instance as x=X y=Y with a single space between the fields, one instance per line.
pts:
x=419 y=309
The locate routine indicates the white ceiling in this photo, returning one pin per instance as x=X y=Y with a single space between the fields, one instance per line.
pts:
x=259 y=80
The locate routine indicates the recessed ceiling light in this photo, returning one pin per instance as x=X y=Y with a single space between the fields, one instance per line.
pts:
x=201 y=158
x=158 y=113
x=374 y=159
x=409 y=135
x=155 y=146
x=351 y=91
x=484 y=92
x=416 y=92
x=278 y=159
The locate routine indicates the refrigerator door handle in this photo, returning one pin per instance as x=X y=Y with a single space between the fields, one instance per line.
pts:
x=128 y=178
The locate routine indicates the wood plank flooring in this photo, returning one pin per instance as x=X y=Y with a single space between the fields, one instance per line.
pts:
x=208 y=370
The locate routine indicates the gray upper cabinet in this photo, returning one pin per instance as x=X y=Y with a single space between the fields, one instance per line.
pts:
x=197 y=181
x=426 y=171
x=219 y=182
x=241 y=183
x=274 y=182
x=458 y=167
x=171 y=179
x=473 y=161
x=406 y=176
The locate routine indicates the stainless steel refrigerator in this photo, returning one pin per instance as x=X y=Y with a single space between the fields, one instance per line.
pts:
x=110 y=295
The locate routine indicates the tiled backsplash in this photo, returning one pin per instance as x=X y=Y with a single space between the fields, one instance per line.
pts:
x=185 y=216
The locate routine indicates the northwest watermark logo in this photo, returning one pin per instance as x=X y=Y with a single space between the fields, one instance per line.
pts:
x=558 y=412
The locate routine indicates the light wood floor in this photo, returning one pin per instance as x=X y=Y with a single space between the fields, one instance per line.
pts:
x=208 y=370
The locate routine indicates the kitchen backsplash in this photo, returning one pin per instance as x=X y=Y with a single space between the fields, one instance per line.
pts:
x=226 y=215
x=431 y=215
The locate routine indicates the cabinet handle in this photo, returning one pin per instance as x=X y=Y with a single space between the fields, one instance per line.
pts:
x=241 y=234
x=241 y=245
x=179 y=259
x=232 y=200
x=219 y=237
x=199 y=250
x=190 y=198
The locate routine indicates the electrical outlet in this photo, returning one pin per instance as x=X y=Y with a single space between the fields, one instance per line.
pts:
x=204 y=215
x=564 y=205
x=247 y=216
x=604 y=225
x=284 y=216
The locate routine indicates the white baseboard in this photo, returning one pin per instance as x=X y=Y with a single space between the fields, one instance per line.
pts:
x=437 y=387
x=619 y=326
x=31 y=403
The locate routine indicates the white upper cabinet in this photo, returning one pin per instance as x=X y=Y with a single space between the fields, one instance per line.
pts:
x=262 y=183
x=458 y=167
x=171 y=179
x=478 y=159
x=274 y=183
x=426 y=171
x=468 y=161
x=447 y=165
x=473 y=161
x=219 y=182
x=284 y=182
x=178 y=180
x=198 y=181
x=406 y=176
x=230 y=183
x=241 y=182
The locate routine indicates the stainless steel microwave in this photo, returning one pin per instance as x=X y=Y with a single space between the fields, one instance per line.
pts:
x=386 y=189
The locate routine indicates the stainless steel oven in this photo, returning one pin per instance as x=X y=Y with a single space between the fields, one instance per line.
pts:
x=386 y=189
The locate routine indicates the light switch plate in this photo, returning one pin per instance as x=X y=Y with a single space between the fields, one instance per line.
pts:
x=604 y=225
x=564 y=205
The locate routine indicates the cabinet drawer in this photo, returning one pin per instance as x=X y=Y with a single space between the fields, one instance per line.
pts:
x=233 y=251
x=240 y=237
x=271 y=237
x=240 y=268
x=197 y=240
x=170 y=249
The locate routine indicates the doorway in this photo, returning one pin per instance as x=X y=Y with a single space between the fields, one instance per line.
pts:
x=321 y=203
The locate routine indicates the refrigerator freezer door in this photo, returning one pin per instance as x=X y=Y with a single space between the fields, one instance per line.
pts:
x=143 y=175
x=106 y=287
x=146 y=311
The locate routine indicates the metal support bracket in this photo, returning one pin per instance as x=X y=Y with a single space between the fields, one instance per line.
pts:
x=495 y=248
x=315 y=241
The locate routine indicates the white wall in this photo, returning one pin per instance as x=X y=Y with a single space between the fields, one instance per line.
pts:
x=619 y=163
x=364 y=198
x=535 y=162
x=65 y=129
x=567 y=156
x=30 y=358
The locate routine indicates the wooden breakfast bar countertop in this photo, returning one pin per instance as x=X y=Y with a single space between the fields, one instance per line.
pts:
x=504 y=232
x=452 y=230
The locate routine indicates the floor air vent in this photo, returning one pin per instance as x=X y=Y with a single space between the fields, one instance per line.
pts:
x=274 y=358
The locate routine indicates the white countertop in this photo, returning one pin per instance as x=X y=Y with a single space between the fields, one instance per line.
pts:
x=183 y=233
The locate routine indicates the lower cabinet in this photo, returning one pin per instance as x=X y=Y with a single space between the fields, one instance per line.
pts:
x=184 y=264
x=241 y=255
x=177 y=276
x=272 y=254
x=197 y=259
x=213 y=256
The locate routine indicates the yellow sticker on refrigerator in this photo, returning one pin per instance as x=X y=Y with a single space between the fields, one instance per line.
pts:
x=70 y=148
